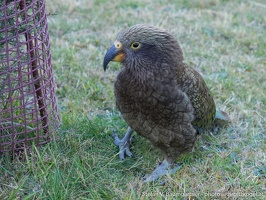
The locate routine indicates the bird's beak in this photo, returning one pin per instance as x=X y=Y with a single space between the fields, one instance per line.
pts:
x=113 y=54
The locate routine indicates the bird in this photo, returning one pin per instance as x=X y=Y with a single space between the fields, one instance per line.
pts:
x=159 y=96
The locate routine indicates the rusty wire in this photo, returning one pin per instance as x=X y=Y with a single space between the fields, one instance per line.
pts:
x=28 y=108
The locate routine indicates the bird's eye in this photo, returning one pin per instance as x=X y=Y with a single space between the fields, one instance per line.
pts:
x=135 y=45
x=118 y=44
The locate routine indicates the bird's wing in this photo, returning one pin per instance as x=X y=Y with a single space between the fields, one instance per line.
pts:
x=197 y=91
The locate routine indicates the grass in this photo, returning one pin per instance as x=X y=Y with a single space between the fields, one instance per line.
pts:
x=224 y=40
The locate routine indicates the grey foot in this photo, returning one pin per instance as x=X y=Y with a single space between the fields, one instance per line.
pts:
x=124 y=144
x=162 y=169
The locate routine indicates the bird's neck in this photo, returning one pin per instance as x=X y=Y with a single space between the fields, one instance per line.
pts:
x=138 y=74
x=142 y=78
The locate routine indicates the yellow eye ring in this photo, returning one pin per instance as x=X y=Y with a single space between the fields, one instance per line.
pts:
x=135 y=45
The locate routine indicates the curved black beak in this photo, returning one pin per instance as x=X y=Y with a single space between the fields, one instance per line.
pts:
x=113 y=54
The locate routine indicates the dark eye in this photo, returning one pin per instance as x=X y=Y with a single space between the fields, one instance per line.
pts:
x=135 y=45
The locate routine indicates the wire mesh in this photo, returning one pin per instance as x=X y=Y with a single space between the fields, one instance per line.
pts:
x=28 y=108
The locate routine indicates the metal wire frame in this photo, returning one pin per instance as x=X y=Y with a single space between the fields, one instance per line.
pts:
x=28 y=107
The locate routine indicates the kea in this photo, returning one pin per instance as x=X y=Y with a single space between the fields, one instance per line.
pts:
x=159 y=96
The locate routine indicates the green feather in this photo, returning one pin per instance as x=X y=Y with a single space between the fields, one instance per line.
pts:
x=221 y=118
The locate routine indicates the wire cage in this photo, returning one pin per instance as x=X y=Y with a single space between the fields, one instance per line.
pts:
x=28 y=108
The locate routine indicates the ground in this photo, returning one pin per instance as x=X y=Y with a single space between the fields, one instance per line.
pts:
x=224 y=40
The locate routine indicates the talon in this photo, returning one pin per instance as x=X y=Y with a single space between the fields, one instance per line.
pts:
x=124 y=143
x=177 y=167
x=161 y=170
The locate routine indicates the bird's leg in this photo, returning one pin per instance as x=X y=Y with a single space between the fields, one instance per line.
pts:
x=124 y=143
x=164 y=168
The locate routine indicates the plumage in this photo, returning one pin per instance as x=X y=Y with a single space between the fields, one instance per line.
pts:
x=159 y=96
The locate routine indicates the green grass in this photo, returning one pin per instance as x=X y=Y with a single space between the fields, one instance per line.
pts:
x=224 y=40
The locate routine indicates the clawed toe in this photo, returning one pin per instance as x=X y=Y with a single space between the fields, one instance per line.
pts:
x=124 y=144
x=163 y=169
x=174 y=169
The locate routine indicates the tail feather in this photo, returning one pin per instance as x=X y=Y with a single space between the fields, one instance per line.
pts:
x=221 y=118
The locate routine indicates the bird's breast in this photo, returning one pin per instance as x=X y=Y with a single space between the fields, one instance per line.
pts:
x=153 y=102
x=144 y=94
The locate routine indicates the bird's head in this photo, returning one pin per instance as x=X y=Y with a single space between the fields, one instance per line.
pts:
x=143 y=45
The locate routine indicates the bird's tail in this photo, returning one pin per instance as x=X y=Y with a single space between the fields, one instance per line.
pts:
x=221 y=118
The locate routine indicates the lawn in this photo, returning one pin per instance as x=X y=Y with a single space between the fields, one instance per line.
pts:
x=224 y=40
